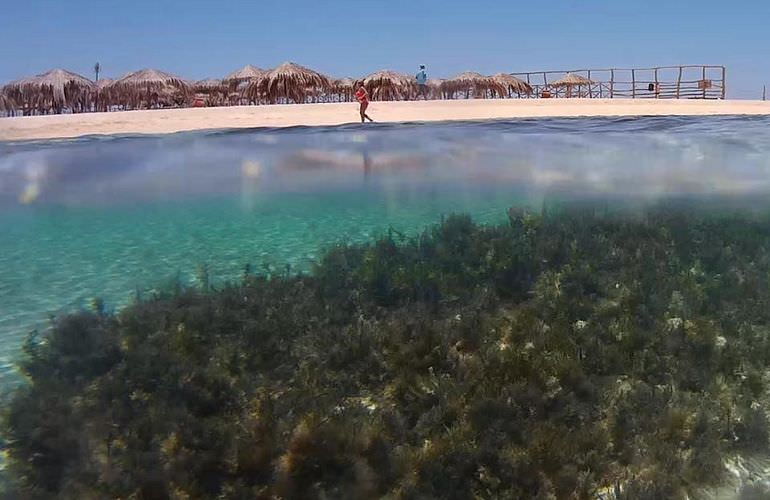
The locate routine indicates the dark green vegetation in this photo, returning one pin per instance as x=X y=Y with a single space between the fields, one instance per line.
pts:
x=553 y=356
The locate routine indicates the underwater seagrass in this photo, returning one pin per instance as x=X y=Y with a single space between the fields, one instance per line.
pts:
x=569 y=354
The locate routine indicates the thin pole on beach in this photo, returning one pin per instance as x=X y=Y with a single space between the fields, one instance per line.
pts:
x=764 y=91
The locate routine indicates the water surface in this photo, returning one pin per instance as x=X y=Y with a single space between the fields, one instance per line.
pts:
x=113 y=217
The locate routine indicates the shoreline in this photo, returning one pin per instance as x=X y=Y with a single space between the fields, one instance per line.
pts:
x=165 y=121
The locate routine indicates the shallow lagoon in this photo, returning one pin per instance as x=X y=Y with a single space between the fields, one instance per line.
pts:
x=113 y=217
x=122 y=216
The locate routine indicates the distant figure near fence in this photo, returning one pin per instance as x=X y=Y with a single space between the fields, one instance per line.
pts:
x=422 y=82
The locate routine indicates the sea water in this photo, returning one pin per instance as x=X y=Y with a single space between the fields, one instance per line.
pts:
x=119 y=217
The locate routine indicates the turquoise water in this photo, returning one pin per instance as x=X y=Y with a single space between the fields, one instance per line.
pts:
x=113 y=217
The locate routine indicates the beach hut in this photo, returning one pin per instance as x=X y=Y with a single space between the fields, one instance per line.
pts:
x=148 y=88
x=472 y=84
x=386 y=85
x=289 y=82
x=572 y=81
x=512 y=85
x=52 y=92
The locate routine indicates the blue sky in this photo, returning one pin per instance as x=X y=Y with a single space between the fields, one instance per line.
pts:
x=198 y=39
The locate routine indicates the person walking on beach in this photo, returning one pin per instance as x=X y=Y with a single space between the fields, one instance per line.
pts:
x=422 y=82
x=362 y=96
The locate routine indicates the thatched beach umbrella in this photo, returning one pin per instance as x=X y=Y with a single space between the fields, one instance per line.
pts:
x=387 y=85
x=102 y=101
x=148 y=86
x=247 y=72
x=344 y=89
x=289 y=81
x=104 y=82
x=53 y=91
x=238 y=81
x=149 y=78
x=208 y=84
x=512 y=84
x=7 y=105
x=238 y=93
x=215 y=91
x=472 y=83
x=434 y=87
x=572 y=80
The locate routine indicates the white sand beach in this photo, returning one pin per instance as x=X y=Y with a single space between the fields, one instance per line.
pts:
x=176 y=120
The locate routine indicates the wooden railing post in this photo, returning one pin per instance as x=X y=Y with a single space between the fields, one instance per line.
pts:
x=657 y=89
x=612 y=83
x=724 y=84
x=590 y=92
x=633 y=83
x=528 y=83
x=678 y=82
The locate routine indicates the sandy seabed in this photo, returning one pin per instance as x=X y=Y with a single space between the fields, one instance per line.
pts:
x=177 y=120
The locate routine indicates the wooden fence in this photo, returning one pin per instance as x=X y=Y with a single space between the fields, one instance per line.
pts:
x=664 y=82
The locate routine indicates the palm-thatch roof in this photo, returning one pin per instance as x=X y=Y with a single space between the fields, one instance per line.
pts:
x=435 y=86
x=104 y=94
x=344 y=88
x=470 y=81
x=388 y=85
x=571 y=80
x=58 y=87
x=149 y=79
x=343 y=83
x=214 y=91
x=6 y=103
x=208 y=84
x=513 y=84
x=104 y=82
x=147 y=87
x=247 y=72
x=289 y=81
